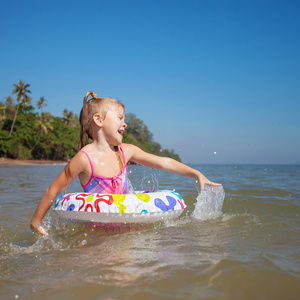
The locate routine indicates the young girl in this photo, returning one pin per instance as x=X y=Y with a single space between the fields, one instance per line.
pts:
x=101 y=165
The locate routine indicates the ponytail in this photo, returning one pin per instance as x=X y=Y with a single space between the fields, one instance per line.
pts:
x=84 y=122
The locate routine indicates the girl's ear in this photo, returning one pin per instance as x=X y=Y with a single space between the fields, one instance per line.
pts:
x=98 y=120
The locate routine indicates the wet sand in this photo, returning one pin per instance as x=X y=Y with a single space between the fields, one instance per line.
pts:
x=30 y=161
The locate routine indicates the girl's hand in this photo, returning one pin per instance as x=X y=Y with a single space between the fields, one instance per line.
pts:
x=39 y=229
x=202 y=180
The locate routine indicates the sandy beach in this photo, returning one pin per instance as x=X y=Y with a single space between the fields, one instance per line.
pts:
x=30 y=161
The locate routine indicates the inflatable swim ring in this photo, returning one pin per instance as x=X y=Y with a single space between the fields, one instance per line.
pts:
x=141 y=207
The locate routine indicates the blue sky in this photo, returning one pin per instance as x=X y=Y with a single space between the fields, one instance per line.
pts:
x=217 y=81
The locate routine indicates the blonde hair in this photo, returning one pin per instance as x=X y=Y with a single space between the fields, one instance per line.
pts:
x=89 y=109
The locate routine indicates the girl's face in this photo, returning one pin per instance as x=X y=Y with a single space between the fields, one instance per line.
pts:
x=114 y=125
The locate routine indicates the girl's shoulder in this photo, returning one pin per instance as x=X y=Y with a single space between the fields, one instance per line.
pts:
x=80 y=160
x=77 y=165
x=87 y=151
x=129 y=148
x=133 y=152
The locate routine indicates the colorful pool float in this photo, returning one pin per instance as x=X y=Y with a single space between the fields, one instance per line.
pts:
x=141 y=207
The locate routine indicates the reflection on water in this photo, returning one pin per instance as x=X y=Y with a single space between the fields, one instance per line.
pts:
x=244 y=249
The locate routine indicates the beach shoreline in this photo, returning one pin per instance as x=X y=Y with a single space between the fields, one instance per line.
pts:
x=11 y=161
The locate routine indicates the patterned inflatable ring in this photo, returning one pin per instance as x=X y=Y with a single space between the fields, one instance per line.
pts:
x=141 y=207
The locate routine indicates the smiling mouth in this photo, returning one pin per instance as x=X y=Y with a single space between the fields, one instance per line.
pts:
x=121 y=131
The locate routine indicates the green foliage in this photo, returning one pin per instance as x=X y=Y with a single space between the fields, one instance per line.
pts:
x=8 y=146
x=137 y=133
x=60 y=143
x=42 y=136
x=137 y=129
x=21 y=89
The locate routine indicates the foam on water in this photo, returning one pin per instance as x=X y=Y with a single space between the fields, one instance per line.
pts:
x=43 y=244
x=209 y=203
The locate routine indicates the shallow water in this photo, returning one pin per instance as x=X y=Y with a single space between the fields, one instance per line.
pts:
x=246 y=249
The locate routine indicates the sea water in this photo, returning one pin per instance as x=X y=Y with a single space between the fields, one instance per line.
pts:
x=246 y=247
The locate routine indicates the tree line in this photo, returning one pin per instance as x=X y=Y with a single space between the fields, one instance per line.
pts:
x=27 y=134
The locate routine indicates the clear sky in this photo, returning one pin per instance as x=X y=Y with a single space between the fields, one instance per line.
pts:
x=217 y=81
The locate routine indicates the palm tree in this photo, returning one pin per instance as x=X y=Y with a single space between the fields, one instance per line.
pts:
x=43 y=125
x=41 y=103
x=68 y=116
x=26 y=100
x=21 y=89
x=6 y=108
x=2 y=111
x=9 y=101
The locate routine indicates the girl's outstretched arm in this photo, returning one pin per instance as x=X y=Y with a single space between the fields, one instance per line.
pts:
x=61 y=182
x=164 y=163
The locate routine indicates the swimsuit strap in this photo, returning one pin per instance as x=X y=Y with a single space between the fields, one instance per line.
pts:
x=123 y=157
x=122 y=161
x=89 y=161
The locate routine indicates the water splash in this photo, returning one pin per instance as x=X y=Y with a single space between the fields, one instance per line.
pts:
x=42 y=244
x=209 y=203
x=130 y=186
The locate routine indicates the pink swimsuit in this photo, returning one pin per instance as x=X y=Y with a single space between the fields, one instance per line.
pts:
x=107 y=185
